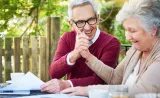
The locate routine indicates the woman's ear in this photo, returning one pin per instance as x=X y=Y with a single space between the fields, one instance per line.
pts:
x=154 y=33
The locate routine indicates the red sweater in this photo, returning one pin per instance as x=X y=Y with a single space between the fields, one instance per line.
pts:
x=106 y=48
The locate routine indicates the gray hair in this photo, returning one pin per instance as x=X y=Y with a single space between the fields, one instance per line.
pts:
x=75 y=3
x=146 y=11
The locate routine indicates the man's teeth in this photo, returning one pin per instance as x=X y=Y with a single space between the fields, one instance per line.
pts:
x=87 y=32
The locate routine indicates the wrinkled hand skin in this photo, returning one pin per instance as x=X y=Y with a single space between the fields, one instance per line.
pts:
x=82 y=43
x=54 y=86
x=76 y=91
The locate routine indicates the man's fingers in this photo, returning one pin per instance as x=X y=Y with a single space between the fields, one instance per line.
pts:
x=83 y=35
x=83 y=48
x=83 y=40
x=77 y=30
x=54 y=90
x=50 y=86
x=44 y=86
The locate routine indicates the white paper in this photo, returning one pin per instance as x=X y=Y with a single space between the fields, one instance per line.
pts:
x=9 y=81
x=53 y=96
x=27 y=82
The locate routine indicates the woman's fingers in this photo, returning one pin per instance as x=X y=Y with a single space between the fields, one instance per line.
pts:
x=75 y=91
x=75 y=94
x=67 y=91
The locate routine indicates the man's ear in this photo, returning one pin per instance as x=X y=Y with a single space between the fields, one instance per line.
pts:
x=98 y=18
x=71 y=25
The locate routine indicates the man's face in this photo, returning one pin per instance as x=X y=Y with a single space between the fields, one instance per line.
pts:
x=85 y=15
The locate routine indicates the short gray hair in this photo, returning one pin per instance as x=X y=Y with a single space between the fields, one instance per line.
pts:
x=146 y=11
x=75 y=3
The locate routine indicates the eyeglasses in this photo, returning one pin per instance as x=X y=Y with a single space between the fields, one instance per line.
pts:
x=82 y=23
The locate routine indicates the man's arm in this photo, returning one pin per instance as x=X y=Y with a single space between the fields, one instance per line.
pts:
x=59 y=66
x=66 y=55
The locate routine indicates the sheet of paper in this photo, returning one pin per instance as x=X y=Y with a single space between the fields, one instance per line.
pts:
x=28 y=82
x=53 y=96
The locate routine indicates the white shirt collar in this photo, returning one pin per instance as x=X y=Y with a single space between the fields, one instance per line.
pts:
x=95 y=37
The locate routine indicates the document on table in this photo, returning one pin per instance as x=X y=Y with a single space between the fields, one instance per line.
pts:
x=53 y=96
x=26 y=83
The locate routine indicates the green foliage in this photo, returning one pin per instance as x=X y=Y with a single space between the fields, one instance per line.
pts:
x=107 y=15
x=119 y=32
x=11 y=11
x=108 y=24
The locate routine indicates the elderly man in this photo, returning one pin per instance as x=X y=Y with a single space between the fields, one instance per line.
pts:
x=68 y=61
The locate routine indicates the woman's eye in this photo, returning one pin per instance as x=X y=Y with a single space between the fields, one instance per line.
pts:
x=133 y=31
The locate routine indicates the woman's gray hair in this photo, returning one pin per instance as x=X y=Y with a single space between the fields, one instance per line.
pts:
x=75 y=3
x=146 y=11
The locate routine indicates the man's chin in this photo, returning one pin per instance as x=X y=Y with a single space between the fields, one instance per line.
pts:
x=90 y=38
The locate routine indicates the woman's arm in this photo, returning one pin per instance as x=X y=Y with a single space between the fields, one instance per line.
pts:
x=108 y=74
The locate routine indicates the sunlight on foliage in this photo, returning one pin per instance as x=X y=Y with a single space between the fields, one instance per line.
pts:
x=28 y=17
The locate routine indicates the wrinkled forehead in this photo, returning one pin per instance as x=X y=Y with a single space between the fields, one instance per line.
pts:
x=82 y=12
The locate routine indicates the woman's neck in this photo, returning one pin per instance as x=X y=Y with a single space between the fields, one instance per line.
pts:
x=146 y=53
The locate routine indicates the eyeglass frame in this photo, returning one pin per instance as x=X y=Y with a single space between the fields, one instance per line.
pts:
x=95 y=17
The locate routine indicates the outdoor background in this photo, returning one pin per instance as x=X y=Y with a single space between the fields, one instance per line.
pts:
x=28 y=17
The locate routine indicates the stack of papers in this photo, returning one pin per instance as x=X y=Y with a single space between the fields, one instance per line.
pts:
x=23 y=86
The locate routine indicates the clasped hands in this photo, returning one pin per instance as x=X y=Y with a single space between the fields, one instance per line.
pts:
x=81 y=47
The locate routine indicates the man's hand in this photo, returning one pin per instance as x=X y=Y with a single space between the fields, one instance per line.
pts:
x=82 y=42
x=84 y=45
x=54 y=86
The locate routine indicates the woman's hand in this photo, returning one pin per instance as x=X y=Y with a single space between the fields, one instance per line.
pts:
x=76 y=91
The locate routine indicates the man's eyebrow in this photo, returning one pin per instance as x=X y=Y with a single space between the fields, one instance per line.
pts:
x=76 y=20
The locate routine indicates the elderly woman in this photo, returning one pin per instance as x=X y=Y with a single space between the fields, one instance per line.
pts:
x=139 y=70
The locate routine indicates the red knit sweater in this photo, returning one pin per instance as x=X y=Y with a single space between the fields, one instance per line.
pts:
x=106 y=48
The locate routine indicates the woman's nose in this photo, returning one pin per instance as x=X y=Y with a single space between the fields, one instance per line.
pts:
x=128 y=35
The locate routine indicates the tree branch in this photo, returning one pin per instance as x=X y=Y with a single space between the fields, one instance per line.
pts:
x=28 y=26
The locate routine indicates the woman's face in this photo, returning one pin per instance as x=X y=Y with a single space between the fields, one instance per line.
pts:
x=140 y=39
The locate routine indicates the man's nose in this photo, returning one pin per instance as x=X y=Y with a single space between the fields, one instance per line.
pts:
x=87 y=26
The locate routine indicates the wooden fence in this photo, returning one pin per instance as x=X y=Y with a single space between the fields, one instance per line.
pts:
x=34 y=54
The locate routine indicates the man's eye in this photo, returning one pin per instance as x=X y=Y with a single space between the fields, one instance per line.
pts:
x=91 y=19
x=80 y=22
